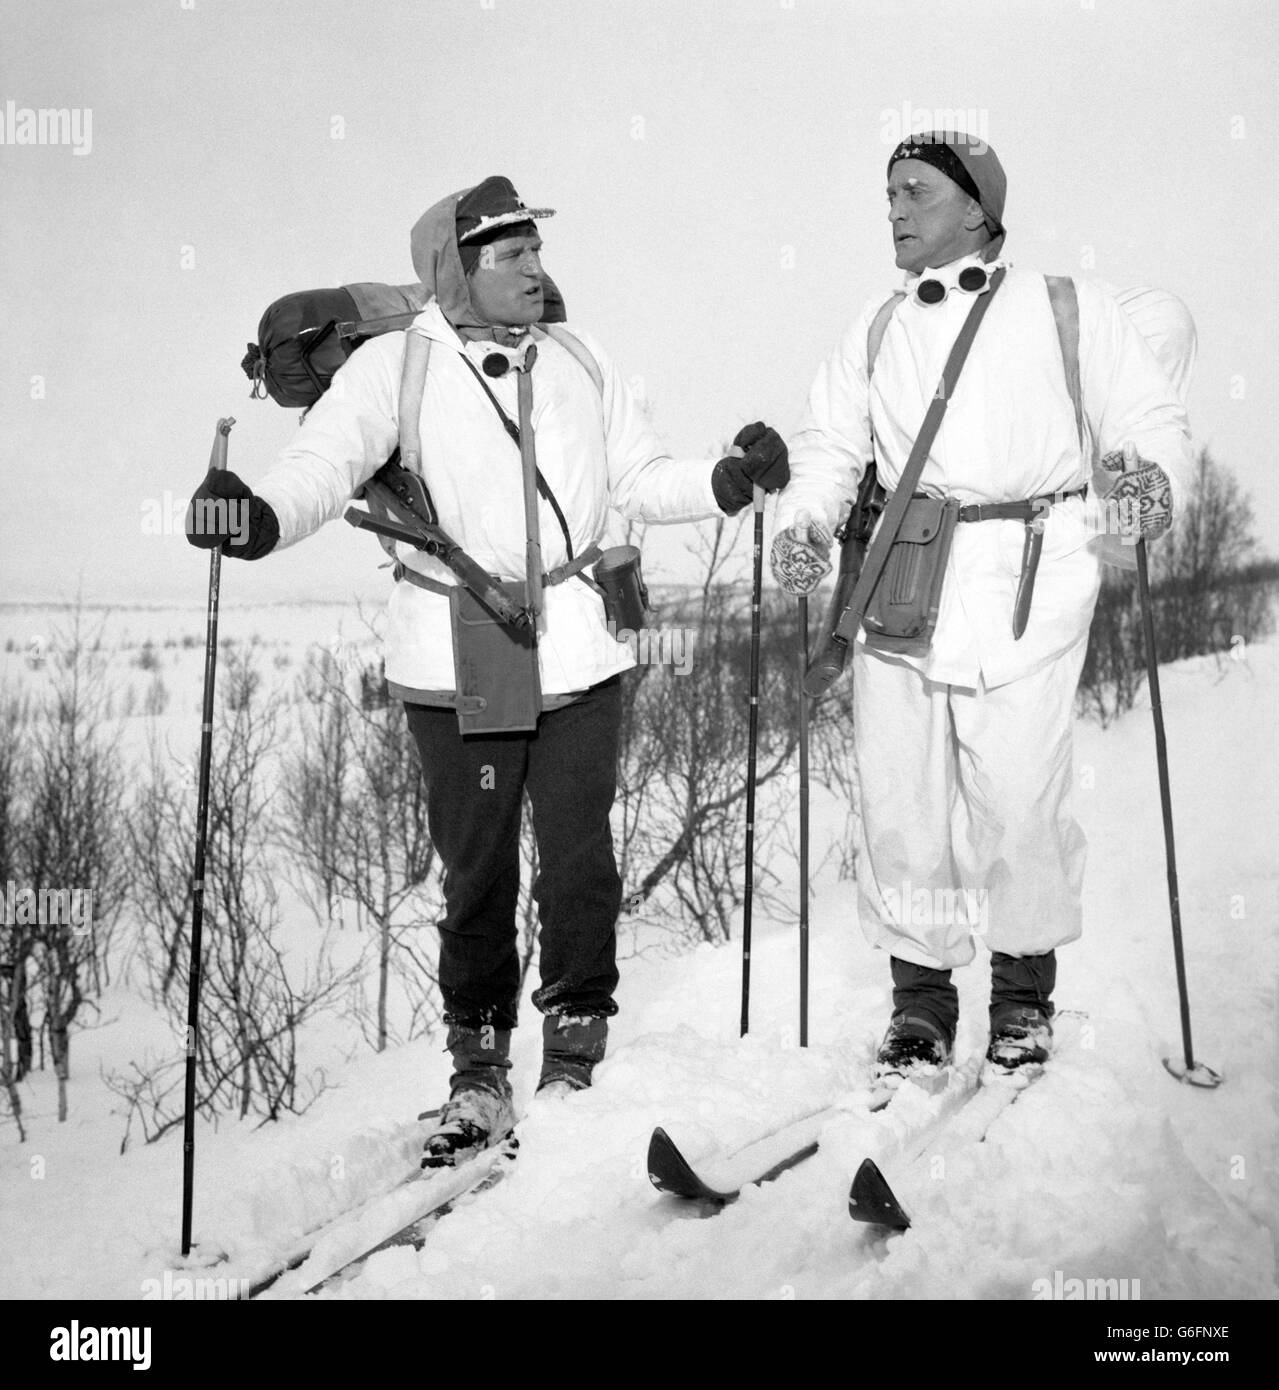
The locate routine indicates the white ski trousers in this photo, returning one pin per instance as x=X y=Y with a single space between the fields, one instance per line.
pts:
x=964 y=819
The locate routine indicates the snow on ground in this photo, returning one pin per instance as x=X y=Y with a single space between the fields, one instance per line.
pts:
x=1106 y=1169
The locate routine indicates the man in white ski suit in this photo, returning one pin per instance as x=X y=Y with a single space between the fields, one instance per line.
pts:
x=963 y=752
x=478 y=254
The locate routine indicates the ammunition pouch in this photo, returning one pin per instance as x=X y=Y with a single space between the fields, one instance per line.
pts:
x=495 y=666
x=902 y=613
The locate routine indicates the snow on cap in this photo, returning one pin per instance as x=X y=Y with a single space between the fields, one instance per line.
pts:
x=491 y=205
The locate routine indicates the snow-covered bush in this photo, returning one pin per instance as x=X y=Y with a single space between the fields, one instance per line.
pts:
x=354 y=821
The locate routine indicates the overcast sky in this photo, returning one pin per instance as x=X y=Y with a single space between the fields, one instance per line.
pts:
x=718 y=170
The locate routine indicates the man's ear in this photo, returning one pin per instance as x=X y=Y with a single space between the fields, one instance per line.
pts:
x=974 y=217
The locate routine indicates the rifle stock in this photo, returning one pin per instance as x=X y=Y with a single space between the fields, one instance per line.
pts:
x=832 y=655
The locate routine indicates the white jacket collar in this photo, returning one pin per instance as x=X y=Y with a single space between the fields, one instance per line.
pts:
x=431 y=323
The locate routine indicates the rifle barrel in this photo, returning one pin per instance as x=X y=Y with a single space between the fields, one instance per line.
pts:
x=445 y=549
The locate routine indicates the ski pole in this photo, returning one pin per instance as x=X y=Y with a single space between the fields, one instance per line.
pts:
x=803 y=822
x=217 y=459
x=752 y=738
x=1197 y=1074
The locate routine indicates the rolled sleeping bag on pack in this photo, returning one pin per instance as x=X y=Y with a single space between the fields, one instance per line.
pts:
x=303 y=338
x=300 y=347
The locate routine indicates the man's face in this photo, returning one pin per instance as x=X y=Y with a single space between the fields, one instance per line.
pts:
x=506 y=284
x=934 y=221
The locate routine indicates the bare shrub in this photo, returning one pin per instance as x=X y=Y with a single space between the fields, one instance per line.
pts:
x=682 y=769
x=17 y=941
x=70 y=843
x=1208 y=591
x=157 y=697
x=252 y=1003
x=355 y=818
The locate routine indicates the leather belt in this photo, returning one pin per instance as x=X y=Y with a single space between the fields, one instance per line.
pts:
x=401 y=573
x=1028 y=510
x=1031 y=511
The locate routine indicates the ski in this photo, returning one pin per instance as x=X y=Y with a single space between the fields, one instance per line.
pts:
x=720 y=1179
x=932 y=1081
x=477 y=1175
x=300 y=1251
x=872 y=1200
x=433 y=1191
x=670 y=1172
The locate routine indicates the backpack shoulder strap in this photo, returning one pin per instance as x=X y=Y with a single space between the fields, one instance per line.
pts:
x=417 y=354
x=570 y=342
x=878 y=327
x=1065 y=304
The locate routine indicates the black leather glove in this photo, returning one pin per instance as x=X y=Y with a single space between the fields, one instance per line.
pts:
x=764 y=461
x=225 y=514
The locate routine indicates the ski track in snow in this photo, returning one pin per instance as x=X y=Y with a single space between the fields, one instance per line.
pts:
x=1104 y=1169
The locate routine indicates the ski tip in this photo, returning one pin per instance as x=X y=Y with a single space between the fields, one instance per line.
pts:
x=1199 y=1075
x=670 y=1172
x=662 y=1156
x=870 y=1199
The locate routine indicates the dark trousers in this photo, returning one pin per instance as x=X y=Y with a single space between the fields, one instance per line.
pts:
x=475 y=788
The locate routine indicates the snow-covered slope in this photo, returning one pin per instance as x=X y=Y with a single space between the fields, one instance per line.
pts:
x=1106 y=1169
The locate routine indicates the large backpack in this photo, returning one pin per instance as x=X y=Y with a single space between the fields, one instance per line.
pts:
x=305 y=337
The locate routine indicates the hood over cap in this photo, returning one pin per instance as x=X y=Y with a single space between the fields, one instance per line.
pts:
x=437 y=260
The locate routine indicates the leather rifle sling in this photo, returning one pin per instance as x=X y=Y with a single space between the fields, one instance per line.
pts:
x=528 y=460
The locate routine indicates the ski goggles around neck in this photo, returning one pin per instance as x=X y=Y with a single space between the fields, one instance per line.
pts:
x=973 y=279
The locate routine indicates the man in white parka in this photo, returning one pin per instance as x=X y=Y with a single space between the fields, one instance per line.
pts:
x=963 y=750
x=477 y=253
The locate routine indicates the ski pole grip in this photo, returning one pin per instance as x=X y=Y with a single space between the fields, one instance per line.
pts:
x=827 y=669
x=217 y=457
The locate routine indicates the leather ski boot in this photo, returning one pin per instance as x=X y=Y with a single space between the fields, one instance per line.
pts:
x=572 y=1045
x=479 y=1112
x=921 y=1036
x=1021 y=1010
